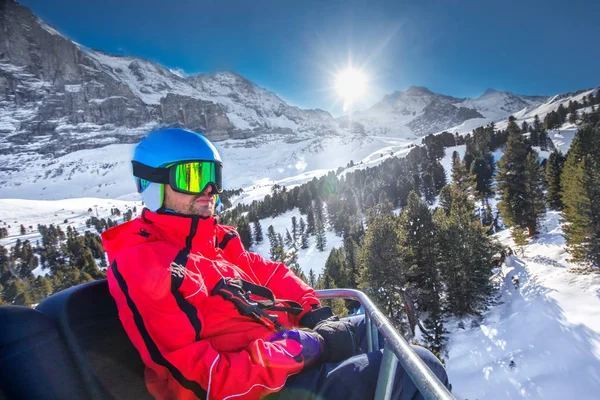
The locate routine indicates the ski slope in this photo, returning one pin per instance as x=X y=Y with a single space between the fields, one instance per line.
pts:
x=550 y=328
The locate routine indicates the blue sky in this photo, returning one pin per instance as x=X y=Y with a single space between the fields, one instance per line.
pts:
x=294 y=48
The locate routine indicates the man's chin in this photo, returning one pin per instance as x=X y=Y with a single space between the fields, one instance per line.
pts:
x=204 y=211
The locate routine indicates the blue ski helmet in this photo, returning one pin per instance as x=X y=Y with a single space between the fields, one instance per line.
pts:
x=165 y=147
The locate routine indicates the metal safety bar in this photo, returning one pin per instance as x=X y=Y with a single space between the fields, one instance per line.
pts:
x=378 y=325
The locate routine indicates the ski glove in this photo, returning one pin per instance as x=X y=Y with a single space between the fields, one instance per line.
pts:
x=340 y=339
x=339 y=336
x=312 y=344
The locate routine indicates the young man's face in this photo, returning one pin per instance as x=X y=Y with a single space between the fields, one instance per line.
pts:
x=202 y=205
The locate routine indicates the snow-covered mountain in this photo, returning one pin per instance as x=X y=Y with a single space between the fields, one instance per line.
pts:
x=488 y=101
x=418 y=111
x=69 y=116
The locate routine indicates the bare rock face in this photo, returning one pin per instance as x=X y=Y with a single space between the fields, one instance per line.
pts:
x=57 y=96
x=197 y=115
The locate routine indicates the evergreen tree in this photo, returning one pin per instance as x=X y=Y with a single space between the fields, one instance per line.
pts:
x=335 y=267
x=245 y=232
x=310 y=222
x=289 y=241
x=16 y=293
x=312 y=279
x=258 y=233
x=351 y=262
x=482 y=173
x=304 y=240
x=554 y=168
x=519 y=236
x=295 y=230
x=381 y=270
x=276 y=245
x=581 y=197
x=534 y=190
x=459 y=172
x=321 y=239
x=417 y=246
x=518 y=178
x=465 y=256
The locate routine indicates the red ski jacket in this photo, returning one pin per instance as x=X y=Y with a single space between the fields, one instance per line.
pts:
x=194 y=344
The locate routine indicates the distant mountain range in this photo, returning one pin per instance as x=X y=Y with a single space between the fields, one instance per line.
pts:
x=58 y=97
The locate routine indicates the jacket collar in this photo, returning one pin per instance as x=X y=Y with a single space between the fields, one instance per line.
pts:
x=183 y=227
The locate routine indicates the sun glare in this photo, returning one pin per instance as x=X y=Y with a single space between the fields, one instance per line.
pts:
x=350 y=84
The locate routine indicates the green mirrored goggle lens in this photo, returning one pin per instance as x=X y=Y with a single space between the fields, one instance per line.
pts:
x=193 y=177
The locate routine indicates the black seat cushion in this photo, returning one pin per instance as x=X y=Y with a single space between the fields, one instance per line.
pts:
x=34 y=362
x=87 y=317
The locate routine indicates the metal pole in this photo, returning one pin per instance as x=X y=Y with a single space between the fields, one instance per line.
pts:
x=428 y=384
x=387 y=372
x=369 y=333
x=375 y=337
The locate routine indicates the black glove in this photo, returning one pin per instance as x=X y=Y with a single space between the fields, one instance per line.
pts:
x=340 y=339
x=313 y=317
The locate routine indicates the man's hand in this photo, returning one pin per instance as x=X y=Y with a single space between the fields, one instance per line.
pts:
x=340 y=339
x=313 y=344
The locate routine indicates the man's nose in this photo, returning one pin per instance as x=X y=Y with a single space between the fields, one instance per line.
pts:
x=207 y=190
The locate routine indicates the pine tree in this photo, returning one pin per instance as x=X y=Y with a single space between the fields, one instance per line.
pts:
x=519 y=236
x=534 y=191
x=482 y=173
x=554 y=168
x=289 y=241
x=258 y=233
x=459 y=172
x=304 y=240
x=310 y=222
x=321 y=239
x=335 y=267
x=581 y=197
x=351 y=262
x=417 y=246
x=245 y=232
x=295 y=230
x=312 y=279
x=465 y=255
x=381 y=270
x=518 y=178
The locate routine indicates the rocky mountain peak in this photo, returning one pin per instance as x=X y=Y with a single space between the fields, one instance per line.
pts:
x=418 y=91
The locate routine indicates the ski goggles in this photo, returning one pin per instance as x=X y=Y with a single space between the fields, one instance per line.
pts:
x=191 y=177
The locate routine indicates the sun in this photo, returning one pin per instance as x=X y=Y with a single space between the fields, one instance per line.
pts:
x=350 y=85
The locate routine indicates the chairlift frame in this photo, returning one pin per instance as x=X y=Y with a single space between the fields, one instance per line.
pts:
x=396 y=350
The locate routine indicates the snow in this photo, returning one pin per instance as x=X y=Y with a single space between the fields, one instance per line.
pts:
x=447 y=160
x=307 y=258
x=550 y=328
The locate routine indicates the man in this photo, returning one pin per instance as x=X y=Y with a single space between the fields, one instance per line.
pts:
x=205 y=314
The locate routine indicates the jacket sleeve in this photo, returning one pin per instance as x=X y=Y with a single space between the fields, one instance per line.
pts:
x=276 y=276
x=161 y=331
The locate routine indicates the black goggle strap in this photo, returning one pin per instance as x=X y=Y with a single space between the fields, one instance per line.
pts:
x=157 y=175
x=163 y=175
x=243 y=295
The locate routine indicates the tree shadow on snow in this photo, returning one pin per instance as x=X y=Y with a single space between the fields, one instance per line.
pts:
x=527 y=349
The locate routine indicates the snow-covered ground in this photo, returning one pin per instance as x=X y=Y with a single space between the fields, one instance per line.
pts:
x=308 y=259
x=550 y=328
x=75 y=212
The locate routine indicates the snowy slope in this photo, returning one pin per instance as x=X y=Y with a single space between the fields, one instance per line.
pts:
x=561 y=137
x=550 y=328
